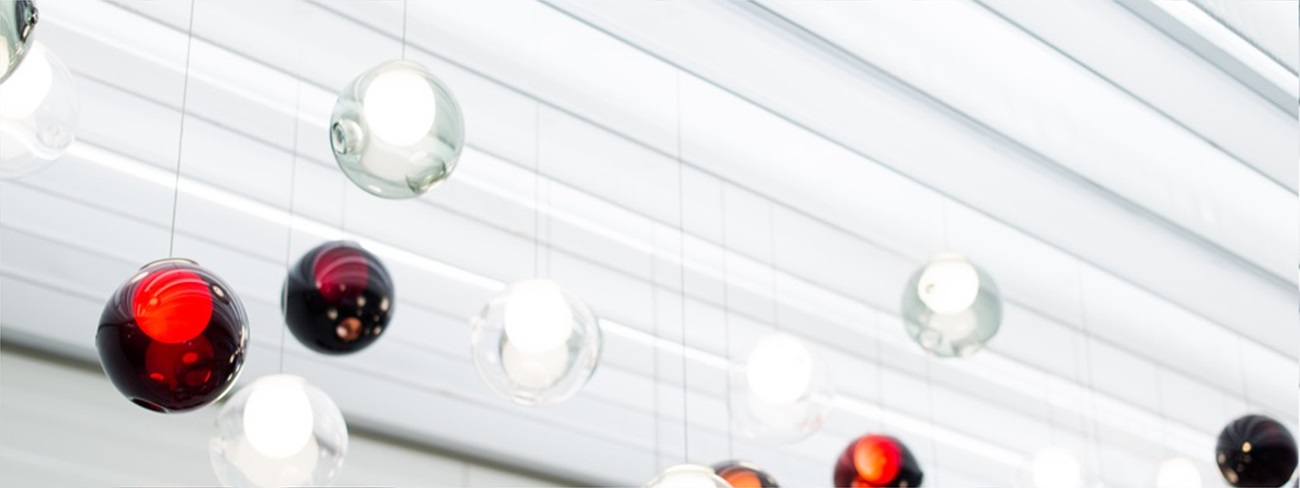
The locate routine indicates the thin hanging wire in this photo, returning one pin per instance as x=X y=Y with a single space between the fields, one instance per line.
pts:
x=654 y=358
x=1241 y=371
x=293 y=186
x=771 y=255
x=405 y=4
x=537 y=189
x=180 y=145
x=1091 y=424
x=947 y=237
x=681 y=259
x=1160 y=408
x=880 y=370
x=726 y=311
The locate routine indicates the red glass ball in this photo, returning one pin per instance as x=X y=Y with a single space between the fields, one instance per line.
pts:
x=741 y=474
x=172 y=338
x=1255 y=450
x=338 y=298
x=877 y=461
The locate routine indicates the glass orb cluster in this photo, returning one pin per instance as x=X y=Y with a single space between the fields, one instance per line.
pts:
x=782 y=392
x=338 y=298
x=687 y=476
x=397 y=130
x=172 y=338
x=535 y=344
x=278 y=431
x=951 y=307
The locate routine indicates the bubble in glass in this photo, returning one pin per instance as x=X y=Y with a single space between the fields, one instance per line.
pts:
x=338 y=298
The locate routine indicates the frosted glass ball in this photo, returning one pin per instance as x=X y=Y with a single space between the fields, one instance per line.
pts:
x=951 y=307
x=278 y=431
x=687 y=476
x=782 y=392
x=38 y=113
x=397 y=130
x=17 y=22
x=535 y=344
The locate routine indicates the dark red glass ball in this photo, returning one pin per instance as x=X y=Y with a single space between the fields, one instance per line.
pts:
x=876 y=461
x=1256 y=451
x=740 y=474
x=338 y=298
x=172 y=338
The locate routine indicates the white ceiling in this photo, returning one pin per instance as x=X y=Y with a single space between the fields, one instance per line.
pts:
x=1134 y=198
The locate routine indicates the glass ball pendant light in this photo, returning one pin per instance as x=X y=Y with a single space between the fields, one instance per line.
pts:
x=17 y=22
x=782 y=391
x=172 y=338
x=877 y=461
x=38 y=113
x=687 y=476
x=951 y=307
x=397 y=130
x=535 y=344
x=338 y=298
x=741 y=474
x=1255 y=450
x=1056 y=467
x=1178 y=472
x=278 y=431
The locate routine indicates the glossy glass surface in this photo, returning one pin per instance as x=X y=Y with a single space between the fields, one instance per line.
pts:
x=535 y=344
x=1255 y=450
x=397 y=130
x=782 y=392
x=877 y=461
x=338 y=298
x=741 y=474
x=38 y=113
x=687 y=476
x=172 y=338
x=278 y=431
x=951 y=307
x=17 y=23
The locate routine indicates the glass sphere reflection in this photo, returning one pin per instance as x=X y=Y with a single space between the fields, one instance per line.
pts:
x=278 y=431
x=951 y=307
x=687 y=476
x=1255 y=450
x=172 y=338
x=38 y=113
x=17 y=22
x=873 y=461
x=741 y=474
x=535 y=344
x=338 y=298
x=782 y=392
x=397 y=130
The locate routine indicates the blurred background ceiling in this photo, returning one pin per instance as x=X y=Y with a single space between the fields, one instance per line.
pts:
x=1126 y=171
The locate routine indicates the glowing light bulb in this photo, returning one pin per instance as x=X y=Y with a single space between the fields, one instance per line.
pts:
x=278 y=417
x=537 y=317
x=779 y=369
x=27 y=87
x=400 y=107
x=1057 y=467
x=687 y=476
x=949 y=284
x=535 y=369
x=1178 y=473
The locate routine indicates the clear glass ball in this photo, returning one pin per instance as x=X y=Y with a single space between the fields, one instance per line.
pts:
x=687 y=476
x=17 y=22
x=1056 y=467
x=951 y=307
x=278 y=431
x=535 y=344
x=38 y=113
x=782 y=392
x=1178 y=472
x=397 y=130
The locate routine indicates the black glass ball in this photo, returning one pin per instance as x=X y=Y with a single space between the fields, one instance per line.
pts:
x=338 y=298
x=1256 y=451
x=172 y=338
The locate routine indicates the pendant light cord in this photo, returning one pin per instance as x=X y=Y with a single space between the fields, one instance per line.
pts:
x=405 y=4
x=293 y=187
x=537 y=189
x=1087 y=372
x=681 y=252
x=180 y=144
x=771 y=256
x=726 y=312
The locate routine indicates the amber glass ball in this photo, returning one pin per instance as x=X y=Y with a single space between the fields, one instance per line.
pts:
x=877 y=461
x=742 y=474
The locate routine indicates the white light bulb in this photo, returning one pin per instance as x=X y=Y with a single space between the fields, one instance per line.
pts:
x=779 y=369
x=687 y=476
x=537 y=317
x=278 y=418
x=1178 y=473
x=399 y=106
x=27 y=87
x=949 y=284
x=1057 y=467
x=537 y=369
